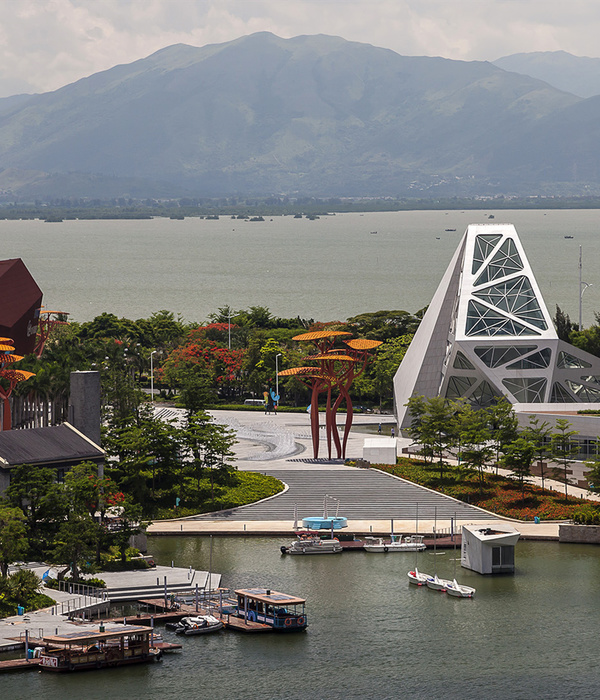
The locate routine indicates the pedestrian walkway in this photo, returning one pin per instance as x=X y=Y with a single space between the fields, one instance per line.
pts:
x=281 y=446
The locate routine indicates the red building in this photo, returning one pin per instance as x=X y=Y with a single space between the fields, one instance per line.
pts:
x=20 y=307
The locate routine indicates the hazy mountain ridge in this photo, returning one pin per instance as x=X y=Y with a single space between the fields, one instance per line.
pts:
x=578 y=75
x=314 y=114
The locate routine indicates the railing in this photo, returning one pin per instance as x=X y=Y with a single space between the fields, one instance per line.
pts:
x=82 y=589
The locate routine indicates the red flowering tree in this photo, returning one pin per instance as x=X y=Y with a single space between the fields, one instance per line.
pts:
x=204 y=362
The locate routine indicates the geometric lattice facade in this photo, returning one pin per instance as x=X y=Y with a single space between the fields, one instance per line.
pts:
x=488 y=333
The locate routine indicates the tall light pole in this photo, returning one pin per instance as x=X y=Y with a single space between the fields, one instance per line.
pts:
x=277 y=375
x=582 y=287
x=229 y=329
x=152 y=375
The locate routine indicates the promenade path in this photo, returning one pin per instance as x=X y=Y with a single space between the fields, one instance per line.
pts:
x=280 y=445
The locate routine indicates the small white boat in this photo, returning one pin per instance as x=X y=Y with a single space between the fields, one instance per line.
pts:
x=437 y=584
x=307 y=544
x=203 y=624
x=418 y=578
x=458 y=591
x=410 y=543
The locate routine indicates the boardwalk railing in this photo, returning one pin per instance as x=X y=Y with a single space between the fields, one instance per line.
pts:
x=82 y=589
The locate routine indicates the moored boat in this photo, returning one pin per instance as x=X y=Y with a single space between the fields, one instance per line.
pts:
x=280 y=611
x=458 y=591
x=313 y=544
x=418 y=578
x=202 y=624
x=86 y=650
x=410 y=543
x=437 y=584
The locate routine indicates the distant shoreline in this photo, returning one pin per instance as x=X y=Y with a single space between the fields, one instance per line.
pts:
x=310 y=207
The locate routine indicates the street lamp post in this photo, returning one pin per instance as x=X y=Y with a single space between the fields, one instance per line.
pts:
x=582 y=287
x=277 y=375
x=152 y=375
x=229 y=327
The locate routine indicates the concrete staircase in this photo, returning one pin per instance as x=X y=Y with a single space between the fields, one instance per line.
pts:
x=364 y=494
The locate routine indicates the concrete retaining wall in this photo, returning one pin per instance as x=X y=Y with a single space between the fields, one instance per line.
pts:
x=582 y=534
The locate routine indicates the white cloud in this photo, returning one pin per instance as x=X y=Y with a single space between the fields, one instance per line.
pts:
x=45 y=44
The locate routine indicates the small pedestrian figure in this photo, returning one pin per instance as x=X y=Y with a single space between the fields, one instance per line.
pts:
x=379 y=431
x=392 y=432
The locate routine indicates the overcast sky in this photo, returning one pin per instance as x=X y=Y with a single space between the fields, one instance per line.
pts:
x=45 y=44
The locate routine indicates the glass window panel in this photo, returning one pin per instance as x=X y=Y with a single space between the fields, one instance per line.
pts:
x=501 y=354
x=560 y=394
x=484 y=321
x=587 y=394
x=484 y=395
x=527 y=390
x=591 y=379
x=505 y=262
x=461 y=362
x=568 y=361
x=537 y=360
x=483 y=247
x=459 y=386
x=517 y=298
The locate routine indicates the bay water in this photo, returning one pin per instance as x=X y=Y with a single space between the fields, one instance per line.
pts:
x=327 y=269
x=371 y=634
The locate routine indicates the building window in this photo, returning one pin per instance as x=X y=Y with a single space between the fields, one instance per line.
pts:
x=568 y=361
x=515 y=297
x=483 y=247
x=506 y=261
x=500 y=355
x=527 y=390
x=538 y=360
x=481 y=320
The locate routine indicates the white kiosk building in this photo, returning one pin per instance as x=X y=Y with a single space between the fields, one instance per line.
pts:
x=489 y=550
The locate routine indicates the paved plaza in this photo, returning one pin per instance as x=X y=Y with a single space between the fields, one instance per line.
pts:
x=280 y=445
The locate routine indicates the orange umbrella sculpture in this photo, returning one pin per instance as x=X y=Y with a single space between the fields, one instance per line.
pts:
x=10 y=376
x=336 y=369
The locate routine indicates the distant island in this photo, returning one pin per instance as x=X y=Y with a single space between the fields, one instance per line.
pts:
x=257 y=209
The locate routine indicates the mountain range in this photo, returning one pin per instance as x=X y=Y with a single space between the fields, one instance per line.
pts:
x=314 y=115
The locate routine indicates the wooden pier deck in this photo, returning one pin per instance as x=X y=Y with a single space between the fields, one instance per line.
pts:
x=19 y=665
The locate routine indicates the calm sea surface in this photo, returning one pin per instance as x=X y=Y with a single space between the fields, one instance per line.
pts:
x=327 y=269
x=372 y=635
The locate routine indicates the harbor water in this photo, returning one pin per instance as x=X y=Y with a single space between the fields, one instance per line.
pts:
x=371 y=634
x=328 y=269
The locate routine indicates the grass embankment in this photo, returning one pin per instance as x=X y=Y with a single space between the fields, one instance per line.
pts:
x=497 y=494
x=8 y=605
x=249 y=488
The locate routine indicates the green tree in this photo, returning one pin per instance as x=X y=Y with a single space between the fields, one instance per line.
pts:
x=13 y=537
x=539 y=434
x=433 y=426
x=474 y=436
x=35 y=491
x=386 y=363
x=563 y=448
x=517 y=458
x=504 y=426
x=75 y=542
x=209 y=446
x=23 y=586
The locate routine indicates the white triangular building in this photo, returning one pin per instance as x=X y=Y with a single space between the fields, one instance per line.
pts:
x=488 y=333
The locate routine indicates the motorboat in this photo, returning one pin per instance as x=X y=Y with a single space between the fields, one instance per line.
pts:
x=202 y=624
x=410 y=543
x=313 y=544
x=437 y=584
x=458 y=591
x=418 y=578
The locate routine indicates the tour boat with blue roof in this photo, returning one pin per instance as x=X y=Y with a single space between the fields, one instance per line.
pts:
x=280 y=611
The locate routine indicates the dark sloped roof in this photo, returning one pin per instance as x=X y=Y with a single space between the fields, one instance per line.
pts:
x=59 y=443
